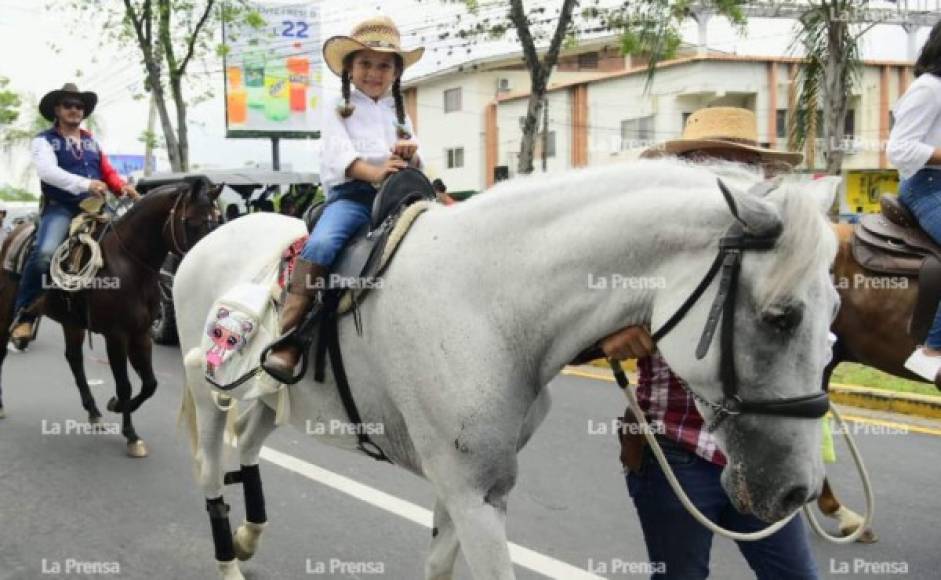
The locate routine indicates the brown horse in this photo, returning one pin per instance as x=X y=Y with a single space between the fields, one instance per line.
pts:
x=121 y=300
x=872 y=329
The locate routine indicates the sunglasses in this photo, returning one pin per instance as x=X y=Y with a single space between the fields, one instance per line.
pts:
x=73 y=105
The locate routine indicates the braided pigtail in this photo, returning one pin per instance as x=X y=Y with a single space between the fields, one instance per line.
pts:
x=400 y=124
x=345 y=109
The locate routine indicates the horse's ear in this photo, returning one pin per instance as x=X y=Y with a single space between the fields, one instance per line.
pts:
x=759 y=216
x=215 y=191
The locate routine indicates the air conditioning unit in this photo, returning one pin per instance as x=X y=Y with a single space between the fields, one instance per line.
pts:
x=503 y=85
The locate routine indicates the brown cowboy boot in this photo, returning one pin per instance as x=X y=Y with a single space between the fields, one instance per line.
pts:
x=306 y=281
x=22 y=331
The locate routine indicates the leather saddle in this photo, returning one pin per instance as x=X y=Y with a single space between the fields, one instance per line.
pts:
x=892 y=242
x=362 y=258
x=20 y=243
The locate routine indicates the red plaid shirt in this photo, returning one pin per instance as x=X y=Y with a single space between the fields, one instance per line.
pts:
x=664 y=399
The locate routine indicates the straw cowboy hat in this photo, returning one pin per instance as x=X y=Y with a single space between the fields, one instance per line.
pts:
x=378 y=33
x=47 y=106
x=721 y=127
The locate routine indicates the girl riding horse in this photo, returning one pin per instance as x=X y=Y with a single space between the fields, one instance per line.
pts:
x=367 y=138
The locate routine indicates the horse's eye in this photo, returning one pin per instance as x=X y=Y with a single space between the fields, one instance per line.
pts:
x=216 y=333
x=783 y=318
x=233 y=341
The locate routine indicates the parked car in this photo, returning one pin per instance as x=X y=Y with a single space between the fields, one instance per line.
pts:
x=244 y=189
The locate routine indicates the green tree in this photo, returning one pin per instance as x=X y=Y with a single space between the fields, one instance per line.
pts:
x=650 y=27
x=9 y=104
x=828 y=35
x=18 y=136
x=168 y=36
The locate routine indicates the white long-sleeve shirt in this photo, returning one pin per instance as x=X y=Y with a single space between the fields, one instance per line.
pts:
x=369 y=134
x=917 y=130
x=47 y=167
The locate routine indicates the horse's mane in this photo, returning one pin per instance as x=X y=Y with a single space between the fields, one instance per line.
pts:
x=168 y=190
x=806 y=243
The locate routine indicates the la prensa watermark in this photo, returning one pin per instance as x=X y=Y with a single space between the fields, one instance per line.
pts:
x=93 y=283
x=617 y=566
x=622 y=282
x=336 y=567
x=335 y=427
x=609 y=427
x=337 y=281
x=860 y=428
x=76 y=567
x=71 y=427
x=861 y=566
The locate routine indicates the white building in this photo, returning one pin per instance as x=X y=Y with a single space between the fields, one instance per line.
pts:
x=468 y=118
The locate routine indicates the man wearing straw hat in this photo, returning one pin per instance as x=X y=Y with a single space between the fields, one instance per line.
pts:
x=672 y=536
x=71 y=168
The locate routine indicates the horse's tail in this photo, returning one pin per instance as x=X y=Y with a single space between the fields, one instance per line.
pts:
x=187 y=416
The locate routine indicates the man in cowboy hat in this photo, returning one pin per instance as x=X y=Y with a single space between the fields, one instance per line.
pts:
x=672 y=536
x=71 y=168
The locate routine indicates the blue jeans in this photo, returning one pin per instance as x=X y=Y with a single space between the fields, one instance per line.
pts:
x=53 y=229
x=683 y=544
x=921 y=193
x=349 y=207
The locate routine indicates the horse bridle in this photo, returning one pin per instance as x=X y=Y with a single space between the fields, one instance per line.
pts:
x=168 y=224
x=729 y=260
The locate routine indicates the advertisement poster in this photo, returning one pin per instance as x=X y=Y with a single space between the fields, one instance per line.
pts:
x=865 y=187
x=274 y=73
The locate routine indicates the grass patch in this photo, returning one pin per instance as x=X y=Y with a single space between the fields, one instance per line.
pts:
x=863 y=376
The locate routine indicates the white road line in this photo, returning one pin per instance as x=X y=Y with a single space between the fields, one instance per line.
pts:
x=539 y=563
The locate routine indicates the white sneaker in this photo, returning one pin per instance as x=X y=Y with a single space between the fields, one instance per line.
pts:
x=923 y=365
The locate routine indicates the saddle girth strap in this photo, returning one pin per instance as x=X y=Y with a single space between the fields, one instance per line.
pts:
x=330 y=342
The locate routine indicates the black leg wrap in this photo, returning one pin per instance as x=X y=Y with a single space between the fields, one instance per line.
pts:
x=254 y=495
x=221 y=532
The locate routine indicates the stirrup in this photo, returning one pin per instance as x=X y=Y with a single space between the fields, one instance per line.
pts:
x=301 y=338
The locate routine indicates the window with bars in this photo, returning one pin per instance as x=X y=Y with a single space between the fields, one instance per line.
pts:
x=636 y=132
x=452 y=100
x=455 y=157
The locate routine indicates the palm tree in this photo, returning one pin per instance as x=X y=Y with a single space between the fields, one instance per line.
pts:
x=828 y=34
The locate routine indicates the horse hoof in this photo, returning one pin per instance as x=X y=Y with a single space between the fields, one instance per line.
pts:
x=867 y=537
x=19 y=344
x=245 y=540
x=113 y=405
x=137 y=449
x=230 y=570
x=94 y=418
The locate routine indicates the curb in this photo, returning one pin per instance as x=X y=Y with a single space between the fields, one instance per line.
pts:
x=926 y=406
x=912 y=404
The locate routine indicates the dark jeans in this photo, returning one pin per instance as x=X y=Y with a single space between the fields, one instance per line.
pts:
x=682 y=544
x=53 y=229
x=349 y=207
x=921 y=193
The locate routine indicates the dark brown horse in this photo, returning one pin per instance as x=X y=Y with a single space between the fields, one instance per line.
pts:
x=122 y=298
x=872 y=329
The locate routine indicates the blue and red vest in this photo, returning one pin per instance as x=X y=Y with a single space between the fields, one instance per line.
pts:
x=86 y=162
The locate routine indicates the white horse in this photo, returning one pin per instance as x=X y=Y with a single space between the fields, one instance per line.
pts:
x=487 y=301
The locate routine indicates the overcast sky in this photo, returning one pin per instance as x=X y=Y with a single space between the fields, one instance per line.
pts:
x=26 y=31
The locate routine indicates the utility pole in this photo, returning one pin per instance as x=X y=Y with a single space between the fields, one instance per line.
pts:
x=545 y=133
x=150 y=138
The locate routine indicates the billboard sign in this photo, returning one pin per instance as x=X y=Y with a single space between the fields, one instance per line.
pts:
x=274 y=72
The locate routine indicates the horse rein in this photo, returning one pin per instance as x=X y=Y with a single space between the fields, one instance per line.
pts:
x=729 y=259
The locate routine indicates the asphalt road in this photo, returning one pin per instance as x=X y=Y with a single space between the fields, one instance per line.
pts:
x=70 y=499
